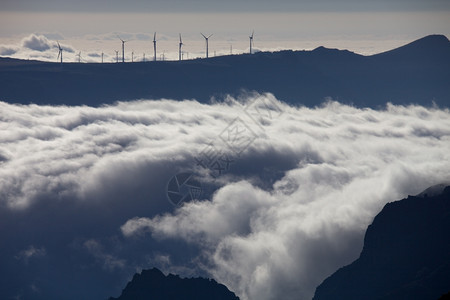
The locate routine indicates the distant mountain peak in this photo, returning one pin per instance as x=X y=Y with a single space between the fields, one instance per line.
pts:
x=432 y=38
x=322 y=49
x=434 y=190
x=434 y=41
x=153 y=284
x=426 y=46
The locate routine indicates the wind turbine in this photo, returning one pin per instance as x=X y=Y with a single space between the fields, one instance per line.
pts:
x=154 y=47
x=60 y=50
x=179 y=50
x=206 y=39
x=123 y=49
x=79 y=56
x=117 y=56
x=132 y=56
x=251 y=41
x=102 y=56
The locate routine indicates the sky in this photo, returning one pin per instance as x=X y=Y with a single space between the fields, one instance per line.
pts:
x=92 y=27
x=225 y=6
x=84 y=191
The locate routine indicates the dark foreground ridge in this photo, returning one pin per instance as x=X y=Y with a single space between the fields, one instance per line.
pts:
x=406 y=253
x=152 y=284
x=415 y=73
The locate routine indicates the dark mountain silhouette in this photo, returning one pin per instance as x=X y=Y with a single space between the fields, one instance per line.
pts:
x=152 y=284
x=420 y=49
x=415 y=73
x=445 y=297
x=406 y=253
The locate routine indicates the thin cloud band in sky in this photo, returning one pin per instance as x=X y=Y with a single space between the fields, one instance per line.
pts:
x=225 y=6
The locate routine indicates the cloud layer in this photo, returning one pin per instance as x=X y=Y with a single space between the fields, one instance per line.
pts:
x=287 y=192
x=39 y=47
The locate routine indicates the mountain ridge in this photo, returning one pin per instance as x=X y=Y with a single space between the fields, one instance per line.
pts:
x=435 y=43
x=405 y=254
x=403 y=75
x=153 y=284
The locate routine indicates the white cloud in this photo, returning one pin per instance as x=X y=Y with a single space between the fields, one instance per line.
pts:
x=108 y=261
x=280 y=243
x=94 y=55
x=52 y=35
x=30 y=252
x=290 y=210
x=8 y=50
x=37 y=43
x=38 y=46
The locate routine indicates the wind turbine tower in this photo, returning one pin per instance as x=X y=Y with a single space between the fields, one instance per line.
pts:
x=60 y=50
x=123 y=49
x=79 y=57
x=206 y=39
x=179 y=48
x=154 y=47
x=251 y=41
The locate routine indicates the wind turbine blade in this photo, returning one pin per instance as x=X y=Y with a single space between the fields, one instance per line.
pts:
x=210 y=36
x=253 y=32
x=203 y=35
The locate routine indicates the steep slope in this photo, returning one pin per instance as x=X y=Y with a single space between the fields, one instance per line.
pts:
x=406 y=253
x=416 y=73
x=152 y=284
x=428 y=47
x=412 y=72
